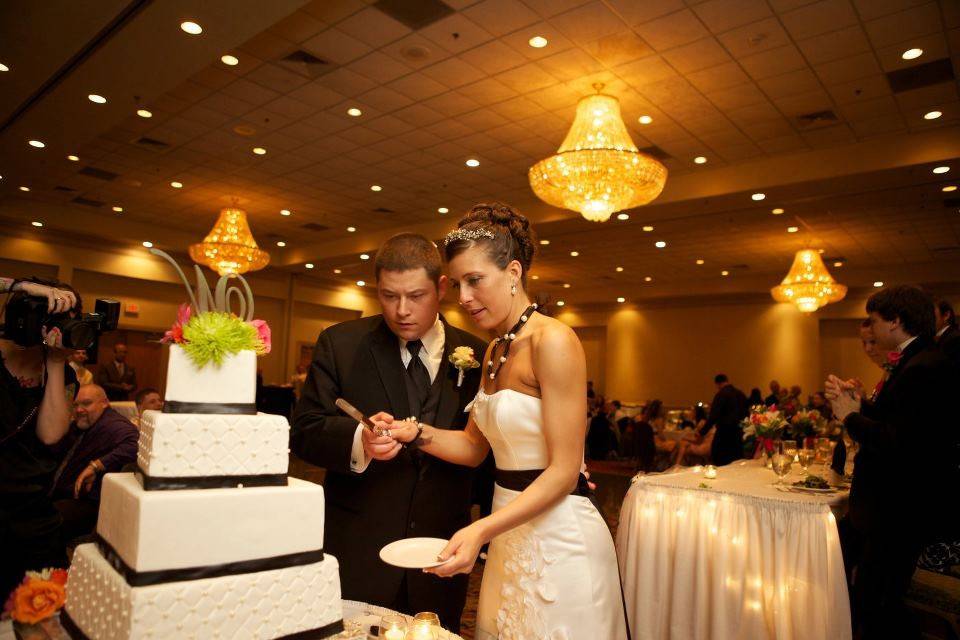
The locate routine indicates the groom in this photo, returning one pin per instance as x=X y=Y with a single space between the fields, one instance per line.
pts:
x=376 y=491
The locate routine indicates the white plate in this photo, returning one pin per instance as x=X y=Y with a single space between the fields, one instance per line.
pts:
x=811 y=489
x=414 y=553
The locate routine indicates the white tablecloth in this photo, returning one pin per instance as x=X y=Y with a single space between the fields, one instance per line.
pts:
x=738 y=560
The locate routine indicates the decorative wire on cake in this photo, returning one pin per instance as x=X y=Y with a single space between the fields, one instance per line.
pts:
x=207 y=329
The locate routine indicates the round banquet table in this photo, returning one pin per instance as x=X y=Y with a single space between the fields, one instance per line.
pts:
x=738 y=559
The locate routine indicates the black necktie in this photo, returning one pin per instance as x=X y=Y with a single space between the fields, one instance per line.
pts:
x=418 y=375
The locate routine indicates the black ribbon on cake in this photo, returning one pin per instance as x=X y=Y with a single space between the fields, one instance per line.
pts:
x=176 y=483
x=238 y=408
x=319 y=633
x=146 y=578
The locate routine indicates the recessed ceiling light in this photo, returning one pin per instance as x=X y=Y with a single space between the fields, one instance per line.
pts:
x=143 y=113
x=699 y=260
x=176 y=185
x=820 y=251
x=534 y=277
x=619 y=269
x=623 y=216
x=353 y=111
x=949 y=188
x=911 y=54
x=281 y=243
x=4 y=67
x=660 y=244
x=192 y=28
x=37 y=144
x=361 y=283
x=648 y=279
x=443 y=210
x=260 y=151
x=544 y=242
x=724 y=273
x=838 y=263
x=376 y=187
x=338 y=271
x=574 y=254
x=793 y=229
x=878 y=284
x=560 y=303
x=73 y=158
x=700 y=160
x=24 y=188
x=757 y=197
x=351 y=229
x=37 y=223
x=648 y=228
x=147 y=244
x=285 y=212
x=364 y=256
x=645 y=119
x=473 y=162
x=229 y=60
x=566 y=285
x=118 y=209
x=939 y=170
x=96 y=98
x=932 y=115
x=309 y=265
x=776 y=211
x=621 y=300
x=537 y=42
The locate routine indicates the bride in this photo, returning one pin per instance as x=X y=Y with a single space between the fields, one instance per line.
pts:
x=551 y=572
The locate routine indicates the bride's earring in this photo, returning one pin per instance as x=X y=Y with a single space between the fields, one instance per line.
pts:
x=513 y=289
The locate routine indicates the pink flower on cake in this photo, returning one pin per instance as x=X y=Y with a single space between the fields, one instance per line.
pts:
x=263 y=332
x=175 y=334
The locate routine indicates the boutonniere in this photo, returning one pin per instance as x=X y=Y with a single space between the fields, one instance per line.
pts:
x=463 y=359
x=893 y=359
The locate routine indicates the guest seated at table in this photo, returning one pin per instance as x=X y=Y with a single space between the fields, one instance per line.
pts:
x=147 y=398
x=694 y=447
x=652 y=423
x=755 y=397
x=819 y=403
x=100 y=441
x=78 y=361
x=907 y=457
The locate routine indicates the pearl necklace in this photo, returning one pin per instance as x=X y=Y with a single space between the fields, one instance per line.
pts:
x=508 y=337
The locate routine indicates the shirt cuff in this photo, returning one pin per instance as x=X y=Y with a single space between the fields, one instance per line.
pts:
x=358 y=457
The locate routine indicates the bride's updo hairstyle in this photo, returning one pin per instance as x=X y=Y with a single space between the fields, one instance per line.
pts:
x=505 y=234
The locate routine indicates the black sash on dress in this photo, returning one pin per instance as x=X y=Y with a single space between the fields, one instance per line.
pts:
x=518 y=480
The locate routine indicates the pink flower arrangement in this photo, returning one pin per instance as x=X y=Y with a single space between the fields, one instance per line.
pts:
x=263 y=332
x=175 y=333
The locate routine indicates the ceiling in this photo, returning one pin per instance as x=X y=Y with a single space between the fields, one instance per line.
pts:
x=807 y=102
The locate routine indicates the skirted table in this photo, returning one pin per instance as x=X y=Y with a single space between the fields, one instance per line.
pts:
x=731 y=558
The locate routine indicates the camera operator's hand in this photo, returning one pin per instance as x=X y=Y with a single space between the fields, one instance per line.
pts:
x=56 y=352
x=58 y=300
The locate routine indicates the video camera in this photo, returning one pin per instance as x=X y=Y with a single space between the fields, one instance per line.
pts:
x=26 y=315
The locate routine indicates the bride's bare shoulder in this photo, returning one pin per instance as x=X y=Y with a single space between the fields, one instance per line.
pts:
x=553 y=334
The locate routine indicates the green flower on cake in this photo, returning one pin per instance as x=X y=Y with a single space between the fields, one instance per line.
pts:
x=213 y=336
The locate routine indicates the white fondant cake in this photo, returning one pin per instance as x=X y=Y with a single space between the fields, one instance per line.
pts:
x=177 y=445
x=233 y=382
x=262 y=605
x=163 y=530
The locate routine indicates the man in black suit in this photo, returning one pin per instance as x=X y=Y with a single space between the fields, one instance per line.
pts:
x=948 y=335
x=376 y=491
x=117 y=377
x=905 y=472
x=728 y=408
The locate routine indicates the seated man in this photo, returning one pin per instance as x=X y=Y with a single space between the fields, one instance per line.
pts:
x=147 y=398
x=99 y=441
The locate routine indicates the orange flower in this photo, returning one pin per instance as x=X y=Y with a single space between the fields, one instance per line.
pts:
x=37 y=600
x=59 y=576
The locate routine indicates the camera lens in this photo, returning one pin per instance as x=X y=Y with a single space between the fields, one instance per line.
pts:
x=77 y=334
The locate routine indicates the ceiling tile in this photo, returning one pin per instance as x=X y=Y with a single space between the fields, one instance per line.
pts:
x=697 y=55
x=385 y=99
x=451 y=103
x=456 y=33
x=867 y=88
x=529 y=77
x=723 y=15
x=618 y=48
x=487 y=91
x=634 y=12
x=493 y=57
x=298 y=27
x=418 y=86
x=588 y=23
x=335 y=46
x=898 y=27
x=373 y=27
x=722 y=76
x=848 y=69
x=317 y=95
x=454 y=72
x=934 y=48
x=570 y=64
x=736 y=97
x=672 y=30
x=500 y=17
x=842 y=43
x=380 y=67
x=820 y=17
x=765 y=35
x=773 y=63
x=811 y=102
x=547 y=8
x=789 y=84
x=646 y=71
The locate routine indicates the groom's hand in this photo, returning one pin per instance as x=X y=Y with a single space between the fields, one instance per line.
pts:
x=379 y=447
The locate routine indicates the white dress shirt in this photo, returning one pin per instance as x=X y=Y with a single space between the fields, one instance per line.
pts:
x=432 y=357
x=903 y=345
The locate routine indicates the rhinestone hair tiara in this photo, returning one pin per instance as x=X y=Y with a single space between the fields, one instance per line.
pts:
x=468 y=234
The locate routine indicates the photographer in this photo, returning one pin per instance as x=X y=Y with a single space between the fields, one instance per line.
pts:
x=37 y=388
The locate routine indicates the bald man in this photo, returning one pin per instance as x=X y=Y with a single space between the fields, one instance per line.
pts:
x=100 y=441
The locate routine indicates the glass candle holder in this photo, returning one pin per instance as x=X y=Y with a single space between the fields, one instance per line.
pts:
x=710 y=472
x=393 y=627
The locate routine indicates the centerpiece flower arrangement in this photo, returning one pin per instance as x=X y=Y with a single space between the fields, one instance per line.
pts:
x=761 y=427
x=207 y=329
x=806 y=424
x=36 y=600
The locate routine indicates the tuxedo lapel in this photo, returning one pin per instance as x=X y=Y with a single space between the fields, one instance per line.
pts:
x=912 y=350
x=385 y=349
x=449 y=393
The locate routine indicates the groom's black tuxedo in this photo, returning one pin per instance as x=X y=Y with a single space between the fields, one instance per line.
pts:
x=904 y=484
x=412 y=495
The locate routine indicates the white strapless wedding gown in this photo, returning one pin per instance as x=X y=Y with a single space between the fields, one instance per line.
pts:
x=554 y=577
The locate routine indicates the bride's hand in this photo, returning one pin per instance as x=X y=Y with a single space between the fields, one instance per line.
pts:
x=464 y=546
x=403 y=430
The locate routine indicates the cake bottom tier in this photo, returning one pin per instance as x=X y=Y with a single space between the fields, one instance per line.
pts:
x=300 y=602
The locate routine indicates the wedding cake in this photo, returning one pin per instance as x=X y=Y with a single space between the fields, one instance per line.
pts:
x=209 y=538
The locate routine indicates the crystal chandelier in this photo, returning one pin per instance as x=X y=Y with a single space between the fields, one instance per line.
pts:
x=808 y=285
x=598 y=171
x=229 y=248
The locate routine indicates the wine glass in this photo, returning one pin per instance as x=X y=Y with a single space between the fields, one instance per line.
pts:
x=824 y=453
x=781 y=465
x=805 y=456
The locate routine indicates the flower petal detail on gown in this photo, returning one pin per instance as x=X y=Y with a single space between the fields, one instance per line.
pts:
x=525 y=589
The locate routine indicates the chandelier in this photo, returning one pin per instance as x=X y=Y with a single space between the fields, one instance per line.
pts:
x=808 y=285
x=229 y=248
x=598 y=171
